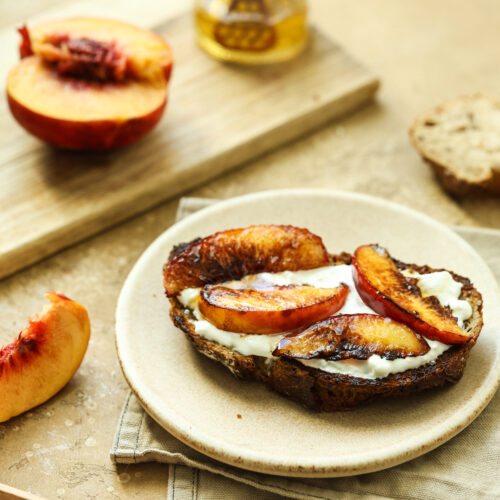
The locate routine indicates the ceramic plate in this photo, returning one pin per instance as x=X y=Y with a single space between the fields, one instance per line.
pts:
x=198 y=400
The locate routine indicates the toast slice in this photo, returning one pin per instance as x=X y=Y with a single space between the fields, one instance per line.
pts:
x=323 y=391
x=461 y=142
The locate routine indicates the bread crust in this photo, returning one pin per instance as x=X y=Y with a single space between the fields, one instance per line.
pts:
x=454 y=184
x=458 y=186
x=323 y=391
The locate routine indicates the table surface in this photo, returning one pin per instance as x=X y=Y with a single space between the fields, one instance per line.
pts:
x=425 y=52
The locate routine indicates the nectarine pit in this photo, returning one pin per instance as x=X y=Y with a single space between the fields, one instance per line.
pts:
x=86 y=58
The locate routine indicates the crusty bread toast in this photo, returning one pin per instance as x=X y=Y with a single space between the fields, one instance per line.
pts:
x=324 y=391
x=461 y=142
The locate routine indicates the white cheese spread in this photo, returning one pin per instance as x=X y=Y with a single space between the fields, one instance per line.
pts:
x=440 y=284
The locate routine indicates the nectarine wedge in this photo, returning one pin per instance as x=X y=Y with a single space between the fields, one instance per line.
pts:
x=353 y=336
x=388 y=292
x=44 y=356
x=272 y=310
x=89 y=83
x=232 y=254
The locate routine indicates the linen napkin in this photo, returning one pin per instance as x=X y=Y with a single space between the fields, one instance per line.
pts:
x=464 y=467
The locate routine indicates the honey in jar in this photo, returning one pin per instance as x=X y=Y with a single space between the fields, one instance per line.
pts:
x=251 y=31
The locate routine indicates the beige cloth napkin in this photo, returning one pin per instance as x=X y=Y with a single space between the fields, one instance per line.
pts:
x=465 y=467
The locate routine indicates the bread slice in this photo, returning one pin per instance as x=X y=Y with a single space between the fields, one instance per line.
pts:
x=324 y=391
x=461 y=142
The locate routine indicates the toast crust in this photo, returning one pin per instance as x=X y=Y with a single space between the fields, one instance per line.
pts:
x=323 y=391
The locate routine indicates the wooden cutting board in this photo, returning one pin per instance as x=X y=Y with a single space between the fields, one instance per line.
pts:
x=219 y=116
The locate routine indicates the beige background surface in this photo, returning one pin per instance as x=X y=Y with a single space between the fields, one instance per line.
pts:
x=425 y=52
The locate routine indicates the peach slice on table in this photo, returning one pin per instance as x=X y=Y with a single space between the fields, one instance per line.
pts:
x=273 y=310
x=44 y=356
x=387 y=291
x=89 y=83
x=232 y=254
x=353 y=336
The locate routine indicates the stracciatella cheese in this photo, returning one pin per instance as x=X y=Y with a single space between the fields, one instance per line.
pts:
x=440 y=284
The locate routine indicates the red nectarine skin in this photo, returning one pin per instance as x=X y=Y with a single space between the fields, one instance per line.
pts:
x=60 y=295
x=99 y=135
x=25 y=49
x=27 y=342
x=396 y=298
x=271 y=310
x=232 y=254
x=44 y=356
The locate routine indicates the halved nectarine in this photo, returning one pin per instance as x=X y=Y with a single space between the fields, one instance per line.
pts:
x=44 y=356
x=353 y=336
x=388 y=292
x=90 y=83
x=232 y=254
x=272 y=310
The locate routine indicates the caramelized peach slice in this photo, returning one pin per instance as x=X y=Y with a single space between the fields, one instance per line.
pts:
x=43 y=357
x=387 y=291
x=232 y=254
x=88 y=83
x=353 y=336
x=272 y=310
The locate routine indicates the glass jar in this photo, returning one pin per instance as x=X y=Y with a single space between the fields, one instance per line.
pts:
x=251 y=31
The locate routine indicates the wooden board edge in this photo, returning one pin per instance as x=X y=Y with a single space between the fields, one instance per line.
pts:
x=62 y=238
x=10 y=493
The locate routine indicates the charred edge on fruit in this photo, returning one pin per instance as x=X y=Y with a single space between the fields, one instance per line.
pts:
x=468 y=290
x=339 y=343
x=407 y=286
x=347 y=349
x=231 y=261
x=342 y=350
x=283 y=312
x=178 y=249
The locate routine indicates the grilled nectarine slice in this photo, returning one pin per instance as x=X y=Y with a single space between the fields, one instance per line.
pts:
x=89 y=83
x=272 y=310
x=353 y=336
x=43 y=357
x=232 y=254
x=386 y=290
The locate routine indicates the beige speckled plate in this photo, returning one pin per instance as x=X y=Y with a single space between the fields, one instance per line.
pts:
x=198 y=400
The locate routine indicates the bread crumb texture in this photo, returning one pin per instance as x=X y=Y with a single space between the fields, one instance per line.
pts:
x=461 y=141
